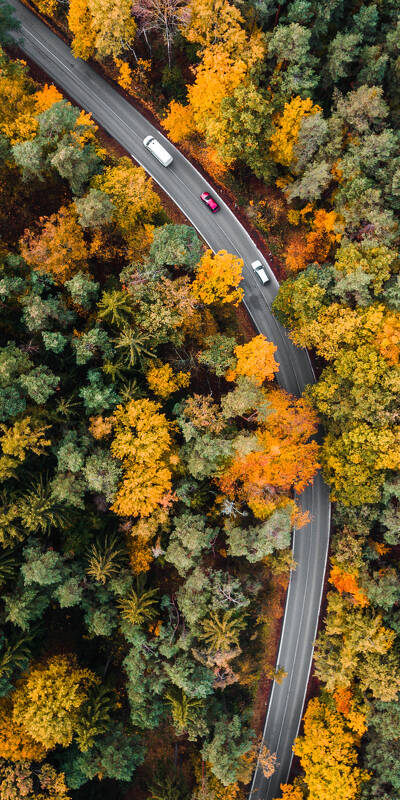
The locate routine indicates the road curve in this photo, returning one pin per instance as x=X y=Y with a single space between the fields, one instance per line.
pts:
x=183 y=183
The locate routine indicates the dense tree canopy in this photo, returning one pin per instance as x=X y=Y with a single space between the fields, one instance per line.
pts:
x=138 y=400
x=147 y=457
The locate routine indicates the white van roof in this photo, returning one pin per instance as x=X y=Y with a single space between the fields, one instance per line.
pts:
x=158 y=150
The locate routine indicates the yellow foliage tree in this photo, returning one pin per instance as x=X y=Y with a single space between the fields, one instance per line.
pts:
x=355 y=462
x=347 y=705
x=143 y=442
x=47 y=6
x=124 y=73
x=113 y=24
x=286 y=129
x=328 y=754
x=21 y=437
x=140 y=556
x=17 y=101
x=228 y=53
x=220 y=23
x=337 y=329
x=255 y=360
x=218 y=277
x=16 y=441
x=133 y=197
x=48 y=699
x=81 y=26
x=52 y=783
x=105 y=27
x=179 y=122
x=217 y=76
x=163 y=381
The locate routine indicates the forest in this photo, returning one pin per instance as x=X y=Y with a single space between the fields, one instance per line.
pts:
x=149 y=461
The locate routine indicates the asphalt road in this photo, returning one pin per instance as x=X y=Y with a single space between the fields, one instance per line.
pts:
x=184 y=184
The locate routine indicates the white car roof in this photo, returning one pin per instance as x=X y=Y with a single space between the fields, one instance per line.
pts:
x=263 y=275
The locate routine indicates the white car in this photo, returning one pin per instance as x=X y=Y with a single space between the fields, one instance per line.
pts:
x=258 y=267
x=158 y=151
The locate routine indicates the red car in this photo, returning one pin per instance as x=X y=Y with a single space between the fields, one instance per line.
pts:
x=208 y=200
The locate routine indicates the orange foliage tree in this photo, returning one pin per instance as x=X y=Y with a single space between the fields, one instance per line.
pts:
x=283 y=457
x=142 y=440
x=388 y=338
x=347 y=705
x=296 y=257
x=46 y=97
x=291 y=792
x=255 y=360
x=347 y=582
x=58 y=248
x=15 y=743
x=218 y=277
x=317 y=244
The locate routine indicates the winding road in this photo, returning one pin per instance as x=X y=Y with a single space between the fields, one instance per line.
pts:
x=183 y=183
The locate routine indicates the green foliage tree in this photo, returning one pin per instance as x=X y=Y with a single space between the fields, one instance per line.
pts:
x=255 y=543
x=64 y=142
x=247 y=117
x=95 y=718
x=83 y=290
x=93 y=344
x=183 y=710
x=115 y=755
x=13 y=364
x=175 y=245
x=382 y=750
x=145 y=681
x=8 y=23
x=218 y=355
x=96 y=395
x=14 y=657
x=40 y=384
x=188 y=539
x=95 y=209
x=232 y=739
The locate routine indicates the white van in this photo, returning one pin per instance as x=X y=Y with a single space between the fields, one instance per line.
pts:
x=158 y=151
x=260 y=271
